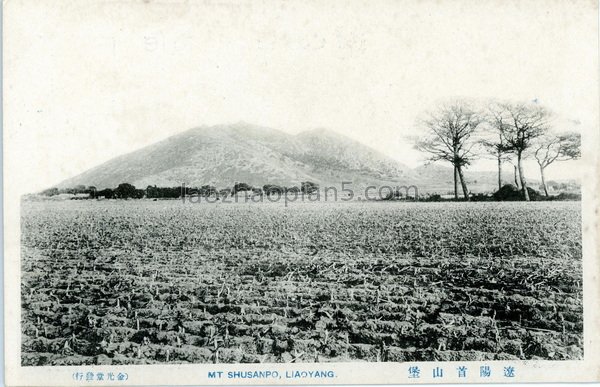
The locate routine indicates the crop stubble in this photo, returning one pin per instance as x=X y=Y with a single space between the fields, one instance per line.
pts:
x=141 y=282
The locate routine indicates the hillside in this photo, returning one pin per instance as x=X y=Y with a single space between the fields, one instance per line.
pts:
x=439 y=178
x=225 y=154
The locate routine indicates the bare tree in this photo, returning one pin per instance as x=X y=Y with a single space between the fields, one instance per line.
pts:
x=448 y=138
x=520 y=124
x=551 y=148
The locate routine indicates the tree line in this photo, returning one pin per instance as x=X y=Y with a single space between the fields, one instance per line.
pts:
x=129 y=191
x=459 y=133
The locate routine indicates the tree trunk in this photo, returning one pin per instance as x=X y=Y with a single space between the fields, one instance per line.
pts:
x=455 y=183
x=516 y=180
x=499 y=173
x=543 y=181
x=463 y=183
x=522 y=177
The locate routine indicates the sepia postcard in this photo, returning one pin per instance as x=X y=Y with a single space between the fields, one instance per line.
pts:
x=232 y=192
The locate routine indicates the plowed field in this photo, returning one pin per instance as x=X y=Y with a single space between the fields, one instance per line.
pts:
x=141 y=282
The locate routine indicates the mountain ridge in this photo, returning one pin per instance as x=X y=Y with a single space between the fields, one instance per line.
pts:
x=222 y=155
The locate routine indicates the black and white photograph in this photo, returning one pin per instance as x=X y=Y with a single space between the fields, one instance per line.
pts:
x=296 y=191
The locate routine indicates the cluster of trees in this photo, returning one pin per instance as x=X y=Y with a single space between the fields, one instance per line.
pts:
x=155 y=192
x=459 y=133
x=127 y=191
x=123 y=191
x=78 y=189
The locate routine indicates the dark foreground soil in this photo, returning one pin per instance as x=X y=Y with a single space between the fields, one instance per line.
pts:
x=157 y=282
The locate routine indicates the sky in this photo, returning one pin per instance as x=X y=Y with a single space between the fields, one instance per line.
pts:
x=87 y=81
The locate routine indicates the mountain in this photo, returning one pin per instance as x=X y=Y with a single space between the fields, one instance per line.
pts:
x=225 y=154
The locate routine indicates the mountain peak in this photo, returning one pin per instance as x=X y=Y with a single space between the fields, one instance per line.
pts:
x=243 y=152
x=222 y=155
